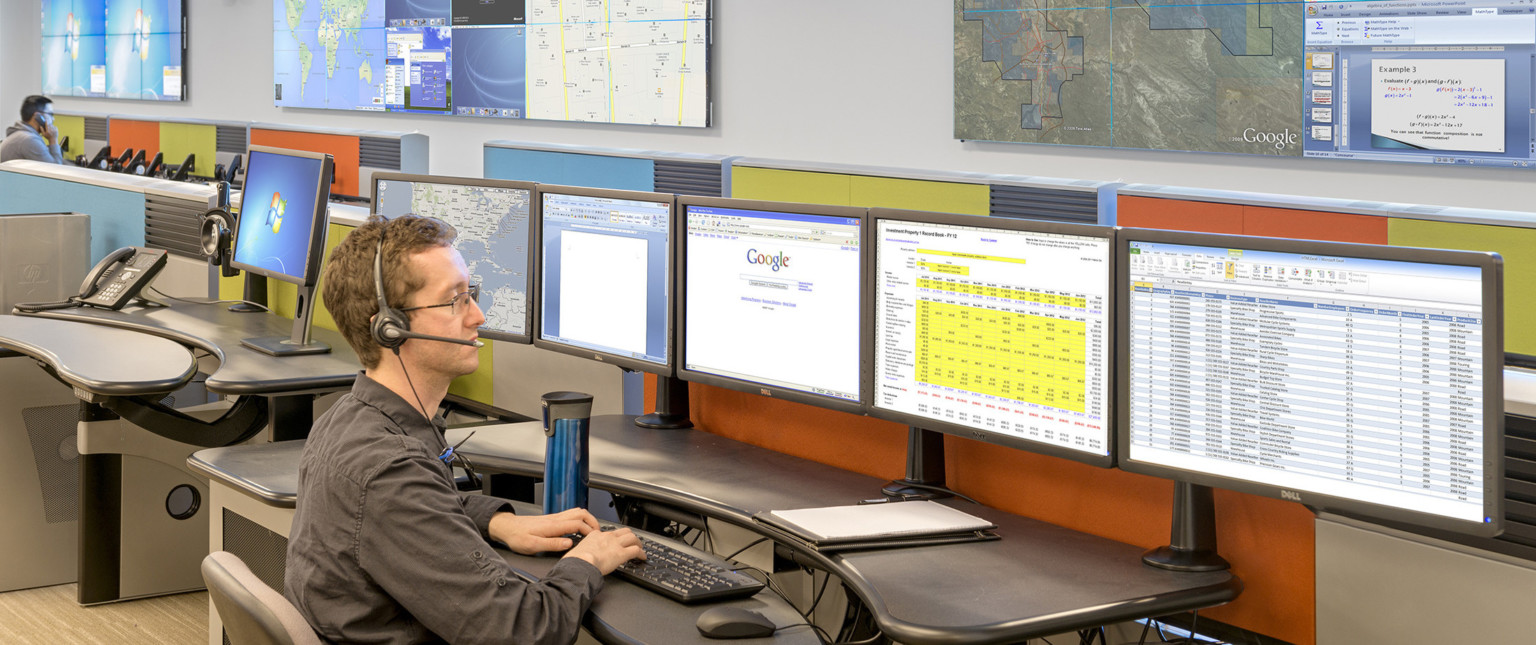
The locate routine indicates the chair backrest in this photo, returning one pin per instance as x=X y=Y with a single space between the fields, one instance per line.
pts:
x=252 y=612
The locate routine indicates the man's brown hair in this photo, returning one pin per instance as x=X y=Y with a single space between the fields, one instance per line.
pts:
x=349 y=292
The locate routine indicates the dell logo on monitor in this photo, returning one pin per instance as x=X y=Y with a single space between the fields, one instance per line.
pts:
x=1290 y=496
x=765 y=391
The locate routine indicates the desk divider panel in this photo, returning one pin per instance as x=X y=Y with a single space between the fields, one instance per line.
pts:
x=139 y=135
x=73 y=127
x=117 y=216
x=177 y=140
x=570 y=169
x=344 y=148
x=791 y=186
x=1516 y=244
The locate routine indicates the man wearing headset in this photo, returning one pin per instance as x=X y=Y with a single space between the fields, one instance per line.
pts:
x=34 y=136
x=383 y=548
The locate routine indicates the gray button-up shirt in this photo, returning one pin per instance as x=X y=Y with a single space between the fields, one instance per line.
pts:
x=384 y=549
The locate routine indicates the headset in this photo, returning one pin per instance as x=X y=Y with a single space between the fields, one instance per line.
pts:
x=390 y=326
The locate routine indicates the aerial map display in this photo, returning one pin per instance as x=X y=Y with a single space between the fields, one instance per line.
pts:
x=621 y=61
x=1130 y=73
x=492 y=225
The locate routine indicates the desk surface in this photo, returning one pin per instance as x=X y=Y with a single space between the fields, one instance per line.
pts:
x=1039 y=579
x=622 y=613
x=215 y=329
x=101 y=360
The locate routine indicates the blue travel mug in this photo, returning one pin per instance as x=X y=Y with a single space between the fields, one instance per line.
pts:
x=566 y=431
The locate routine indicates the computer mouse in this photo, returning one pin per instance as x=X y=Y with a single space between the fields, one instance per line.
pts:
x=734 y=622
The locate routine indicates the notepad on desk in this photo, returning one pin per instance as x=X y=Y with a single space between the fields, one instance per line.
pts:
x=873 y=526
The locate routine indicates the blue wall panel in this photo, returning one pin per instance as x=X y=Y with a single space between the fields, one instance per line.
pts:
x=117 y=216
x=570 y=169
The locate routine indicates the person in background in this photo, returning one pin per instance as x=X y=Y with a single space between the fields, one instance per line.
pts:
x=34 y=136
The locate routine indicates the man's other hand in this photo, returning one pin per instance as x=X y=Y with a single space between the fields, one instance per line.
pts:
x=606 y=550
x=529 y=534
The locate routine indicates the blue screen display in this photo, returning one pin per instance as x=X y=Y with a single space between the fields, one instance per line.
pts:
x=278 y=214
x=144 y=49
x=129 y=49
x=74 y=47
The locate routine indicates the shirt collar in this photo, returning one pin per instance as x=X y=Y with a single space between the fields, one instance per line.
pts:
x=398 y=410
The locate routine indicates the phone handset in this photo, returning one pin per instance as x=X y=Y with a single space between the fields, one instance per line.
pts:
x=120 y=276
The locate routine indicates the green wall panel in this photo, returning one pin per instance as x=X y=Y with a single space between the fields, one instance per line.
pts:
x=790 y=186
x=1516 y=245
x=177 y=140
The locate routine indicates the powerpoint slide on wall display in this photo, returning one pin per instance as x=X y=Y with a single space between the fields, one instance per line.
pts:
x=1438 y=104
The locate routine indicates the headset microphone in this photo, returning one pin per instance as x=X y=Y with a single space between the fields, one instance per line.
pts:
x=401 y=335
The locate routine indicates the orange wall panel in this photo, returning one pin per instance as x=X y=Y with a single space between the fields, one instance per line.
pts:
x=139 y=135
x=1178 y=214
x=1314 y=225
x=345 y=150
x=848 y=441
x=1269 y=542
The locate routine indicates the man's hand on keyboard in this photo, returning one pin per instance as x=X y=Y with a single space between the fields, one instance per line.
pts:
x=529 y=534
x=606 y=550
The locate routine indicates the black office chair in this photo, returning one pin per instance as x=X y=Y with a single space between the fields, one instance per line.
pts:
x=252 y=612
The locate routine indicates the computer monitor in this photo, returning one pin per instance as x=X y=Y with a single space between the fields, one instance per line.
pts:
x=281 y=231
x=1360 y=379
x=995 y=329
x=492 y=218
x=772 y=299
x=605 y=276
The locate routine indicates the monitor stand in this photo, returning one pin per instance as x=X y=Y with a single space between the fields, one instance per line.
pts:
x=925 y=468
x=1193 y=541
x=297 y=343
x=255 y=292
x=671 y=406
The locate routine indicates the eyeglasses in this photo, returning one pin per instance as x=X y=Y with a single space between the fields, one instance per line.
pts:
x=457 y=303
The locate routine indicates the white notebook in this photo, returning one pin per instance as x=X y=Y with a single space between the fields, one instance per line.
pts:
x=869 y=524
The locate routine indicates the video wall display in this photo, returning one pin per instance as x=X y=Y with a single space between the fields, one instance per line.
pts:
x=121 y=49
x=630 y=61
x=1419 y=81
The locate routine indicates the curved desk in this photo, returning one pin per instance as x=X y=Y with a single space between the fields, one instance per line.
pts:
x=1039 y=579
x=622 y=613
x=218 y=331
x=141 y=531
x=101 y=360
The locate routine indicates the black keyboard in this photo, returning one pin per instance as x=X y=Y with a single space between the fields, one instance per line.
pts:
x=685 y=574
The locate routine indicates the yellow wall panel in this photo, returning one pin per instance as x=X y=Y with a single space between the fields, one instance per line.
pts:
x=1516 y=245
x=919 y=195
x=73 y=127
x=177 y=140
x=790 y=186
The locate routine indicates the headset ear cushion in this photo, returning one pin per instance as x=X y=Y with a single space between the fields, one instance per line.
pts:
x=386 y=324
x=214 y=236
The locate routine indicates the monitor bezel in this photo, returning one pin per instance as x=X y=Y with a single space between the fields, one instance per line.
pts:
x=620 y=360
x=317 y=233
x=1106 y=233
x=526 y=337
x=774 y=391
x=1493 y=372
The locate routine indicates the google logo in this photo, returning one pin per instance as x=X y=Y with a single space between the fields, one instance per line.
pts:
x=774 y=261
